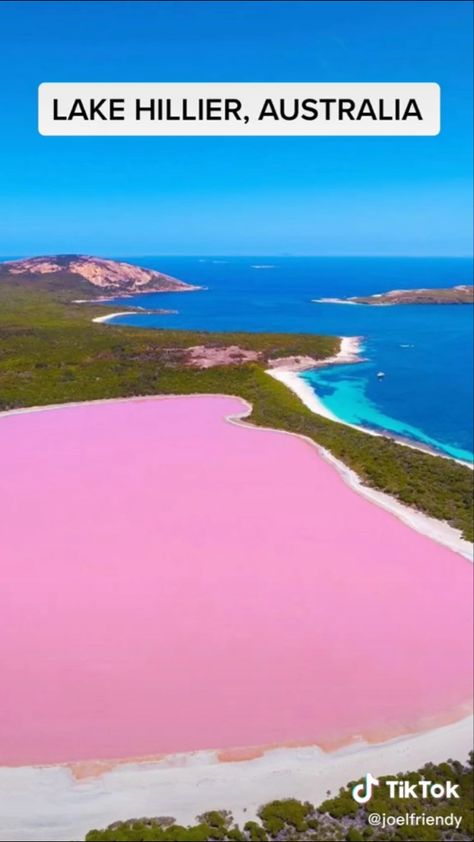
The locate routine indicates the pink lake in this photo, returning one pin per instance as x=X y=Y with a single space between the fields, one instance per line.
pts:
x=172 y=582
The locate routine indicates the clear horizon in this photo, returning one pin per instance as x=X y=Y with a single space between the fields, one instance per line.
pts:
x=321 y=196
x=254 y=254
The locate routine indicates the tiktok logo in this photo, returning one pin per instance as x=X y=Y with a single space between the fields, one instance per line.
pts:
x=405 y=789
x=363 y=792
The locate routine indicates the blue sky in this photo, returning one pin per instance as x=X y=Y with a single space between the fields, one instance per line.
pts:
x=137 y=196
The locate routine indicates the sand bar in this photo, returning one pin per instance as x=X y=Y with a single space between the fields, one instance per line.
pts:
x=110 y=316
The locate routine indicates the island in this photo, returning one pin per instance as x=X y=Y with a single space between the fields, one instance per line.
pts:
x=461 y=294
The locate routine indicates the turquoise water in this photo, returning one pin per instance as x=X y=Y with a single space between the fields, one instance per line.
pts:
x=424 y=350
x=347 y=398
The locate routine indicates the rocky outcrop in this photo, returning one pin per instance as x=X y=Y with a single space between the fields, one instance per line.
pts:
x=107 y=276
x=204 y=356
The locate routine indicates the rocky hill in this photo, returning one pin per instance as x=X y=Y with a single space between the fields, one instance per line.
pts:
x=109 y=277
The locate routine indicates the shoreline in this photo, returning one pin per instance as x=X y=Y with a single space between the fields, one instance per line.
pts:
x=333 y=301
x=291 y=379
x=103 y=299
x=110 y=316
x=437 y=530
x=63 y=802
x=287 y=373
x=348 y=353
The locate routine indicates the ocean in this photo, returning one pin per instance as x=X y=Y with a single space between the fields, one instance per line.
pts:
x=425 y=351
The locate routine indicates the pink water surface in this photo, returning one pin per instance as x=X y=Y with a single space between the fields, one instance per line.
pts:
x=171 y=581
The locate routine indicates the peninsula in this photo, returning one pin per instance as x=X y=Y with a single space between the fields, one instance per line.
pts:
x=92 y=275
x=462 y=294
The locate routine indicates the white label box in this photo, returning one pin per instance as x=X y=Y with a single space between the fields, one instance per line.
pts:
x=239 y=109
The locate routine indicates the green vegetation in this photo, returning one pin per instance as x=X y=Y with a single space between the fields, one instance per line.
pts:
x=50 y=352
x=339 y=818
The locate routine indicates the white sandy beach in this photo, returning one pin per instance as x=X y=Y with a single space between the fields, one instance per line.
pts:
x=349 y=352
x=110 y=316
x=437 y=530
x=52 y=803
x=310 y=399
x=335 y=301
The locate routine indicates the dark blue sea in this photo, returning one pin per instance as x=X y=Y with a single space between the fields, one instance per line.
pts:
x=425 y=351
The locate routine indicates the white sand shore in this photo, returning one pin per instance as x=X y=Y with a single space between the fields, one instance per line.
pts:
x=349 y=352
x=307 y=395
x=300 y=387
x=437 y=530
x=50 y=803
x=100 y=319
x=334 y=301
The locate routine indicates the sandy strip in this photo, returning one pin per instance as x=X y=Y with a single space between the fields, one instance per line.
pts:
x=349 y=352
x=334 y=301
x=53 y=803
x=110 y=316
x=306 y=393
x=437 y=530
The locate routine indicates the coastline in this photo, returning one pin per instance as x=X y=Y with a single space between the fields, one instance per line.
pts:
x=458 y=294
x=437 y=530
x=63 y=802
x=348 y=353
x=334 y=301
x=103 y=299
x=286 y=370
x=110 y=316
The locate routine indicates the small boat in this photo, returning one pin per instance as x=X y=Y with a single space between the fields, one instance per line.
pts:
x=380 y=374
